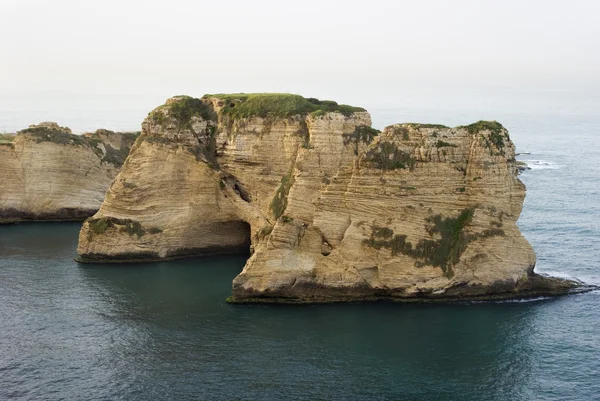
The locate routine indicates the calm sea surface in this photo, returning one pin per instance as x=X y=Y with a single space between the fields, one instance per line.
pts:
x=164 y=332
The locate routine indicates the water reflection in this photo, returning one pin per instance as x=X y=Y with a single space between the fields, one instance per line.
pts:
x=163 y=331
x=357 y=351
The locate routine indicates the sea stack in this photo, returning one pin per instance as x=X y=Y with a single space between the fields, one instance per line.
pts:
x=48 y=173
x=329 y=208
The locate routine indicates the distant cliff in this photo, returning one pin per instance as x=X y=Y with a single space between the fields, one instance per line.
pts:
x=330 y=208
x=50 y=174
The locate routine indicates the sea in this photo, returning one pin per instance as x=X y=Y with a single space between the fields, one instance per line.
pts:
x=163 y=331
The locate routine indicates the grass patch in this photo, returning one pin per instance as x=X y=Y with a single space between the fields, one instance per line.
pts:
x=495 y=141
x=318 y=113
x=6 y=138
x=182 y=109
x=417 y=125
x=362 y=133
x=387 y=156
x=63 y=136
x=59 y=136
x=492 y=126
x=131 y=227
x=99 y=226
x=443 y=144
x=265 y=231
x=278 y=105
x=279 y=202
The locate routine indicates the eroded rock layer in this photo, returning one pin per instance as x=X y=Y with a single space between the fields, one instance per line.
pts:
x=50 y=174
x=330 y=208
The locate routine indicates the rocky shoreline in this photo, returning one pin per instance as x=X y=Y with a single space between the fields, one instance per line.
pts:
x=50 y=174
x=550 y=288
x=328 y=208
x=331 y=209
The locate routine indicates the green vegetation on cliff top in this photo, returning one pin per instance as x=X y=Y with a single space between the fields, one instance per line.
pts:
x=419 y=125
x=63 y=136
x=495 y=141
x=243 y=105
x=58 y=135
x=182 y=109
x=492 y=126
x=7 y=137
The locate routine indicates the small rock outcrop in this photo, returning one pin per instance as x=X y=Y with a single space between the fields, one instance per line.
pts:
x=329 y=208
x=48 y=173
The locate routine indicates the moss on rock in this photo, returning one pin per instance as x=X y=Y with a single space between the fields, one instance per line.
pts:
x=279 y=202
x=443 y=144
x=362 y=133
x=444 y=251
x=131 y=227
x=387 y=156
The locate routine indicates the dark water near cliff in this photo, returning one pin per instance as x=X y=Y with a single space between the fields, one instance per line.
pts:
x=163 y=331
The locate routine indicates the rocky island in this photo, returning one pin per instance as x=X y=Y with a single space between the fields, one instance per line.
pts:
x=329 y=208
x=48 y=173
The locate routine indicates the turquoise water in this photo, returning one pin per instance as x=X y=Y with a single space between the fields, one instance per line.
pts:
x=163 y=331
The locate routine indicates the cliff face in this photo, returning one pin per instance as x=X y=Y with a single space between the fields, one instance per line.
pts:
x=330 y=208
x=50 y=174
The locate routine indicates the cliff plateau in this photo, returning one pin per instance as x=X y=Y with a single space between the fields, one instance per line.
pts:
x=329 y=208
x=48 y=173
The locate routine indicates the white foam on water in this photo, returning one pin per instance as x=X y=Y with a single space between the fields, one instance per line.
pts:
x=555 y=273
x=523 y=300
x=541 y=165
x=513 y=300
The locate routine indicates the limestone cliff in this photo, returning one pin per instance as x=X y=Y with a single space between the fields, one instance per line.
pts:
x=330 y=208
x=50 y=174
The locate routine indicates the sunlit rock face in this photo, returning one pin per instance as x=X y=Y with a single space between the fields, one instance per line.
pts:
x=329 y=208
x=50 y=174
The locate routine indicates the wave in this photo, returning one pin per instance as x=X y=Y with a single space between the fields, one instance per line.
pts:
x=541 y=165
x=555 y=273
x=522 y=300
x=511 y=300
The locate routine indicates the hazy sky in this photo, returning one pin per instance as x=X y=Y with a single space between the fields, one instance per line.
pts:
x=349 y=50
